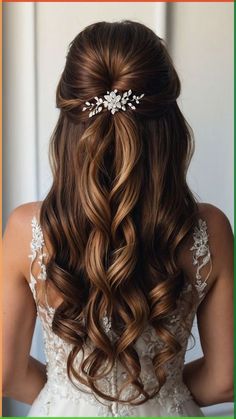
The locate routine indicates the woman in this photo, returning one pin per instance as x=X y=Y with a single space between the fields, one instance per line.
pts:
x=122 y=255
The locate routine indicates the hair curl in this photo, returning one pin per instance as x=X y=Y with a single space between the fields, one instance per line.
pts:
x=119 y=205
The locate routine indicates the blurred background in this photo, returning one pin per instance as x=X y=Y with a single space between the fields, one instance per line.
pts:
x=36 y=36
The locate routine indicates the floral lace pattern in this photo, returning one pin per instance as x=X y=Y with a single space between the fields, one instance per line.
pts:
x=173 y=393
x=174 y=390
x=36 y=246
x=201 y=255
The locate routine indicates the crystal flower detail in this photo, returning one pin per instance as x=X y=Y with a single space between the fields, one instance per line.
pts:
x=113 y=101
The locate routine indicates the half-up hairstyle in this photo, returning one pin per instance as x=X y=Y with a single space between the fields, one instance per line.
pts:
x=119 y=205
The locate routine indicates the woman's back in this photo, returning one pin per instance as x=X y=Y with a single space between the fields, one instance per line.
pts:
x=60 y=397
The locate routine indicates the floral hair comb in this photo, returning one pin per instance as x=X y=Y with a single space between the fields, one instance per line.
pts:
x=112 y=102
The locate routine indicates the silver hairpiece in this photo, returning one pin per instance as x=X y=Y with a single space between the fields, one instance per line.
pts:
x=113 y=102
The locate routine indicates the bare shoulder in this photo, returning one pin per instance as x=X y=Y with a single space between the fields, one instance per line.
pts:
x=221 y=237
x=18 y=234
x=219 y=245
x=216 y=219
x=21 y=215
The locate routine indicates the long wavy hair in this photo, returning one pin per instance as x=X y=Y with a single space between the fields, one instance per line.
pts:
x=119 y=205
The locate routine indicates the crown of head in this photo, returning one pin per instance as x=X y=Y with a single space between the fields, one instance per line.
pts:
x=113 y=102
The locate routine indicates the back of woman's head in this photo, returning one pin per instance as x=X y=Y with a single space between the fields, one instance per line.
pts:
x=119 y=205
x=124 y=55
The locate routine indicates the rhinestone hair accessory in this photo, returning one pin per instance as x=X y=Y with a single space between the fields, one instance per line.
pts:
x=113 y=101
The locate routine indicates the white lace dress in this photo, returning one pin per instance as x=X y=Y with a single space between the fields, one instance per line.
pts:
x=60 y=398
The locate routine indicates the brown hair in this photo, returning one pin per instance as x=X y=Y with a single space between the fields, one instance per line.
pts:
x=119 y=205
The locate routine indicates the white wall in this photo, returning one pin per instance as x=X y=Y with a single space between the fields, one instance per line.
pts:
x=19 y=106
x=36 y=37
x=201 y=44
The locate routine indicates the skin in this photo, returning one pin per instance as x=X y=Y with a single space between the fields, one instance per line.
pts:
x=210 y=378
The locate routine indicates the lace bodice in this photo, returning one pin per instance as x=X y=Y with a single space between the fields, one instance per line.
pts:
x=57 y=350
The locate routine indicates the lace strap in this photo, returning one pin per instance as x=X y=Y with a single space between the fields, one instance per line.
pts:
x=201 y=255
x=36 y=246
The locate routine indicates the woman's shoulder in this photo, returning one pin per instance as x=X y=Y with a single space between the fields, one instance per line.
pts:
x=20 y=218
x=213 y=215
x=219 y=229
x=22 y=214
x=221 y=235
x=18 y=233
x=207 y=250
